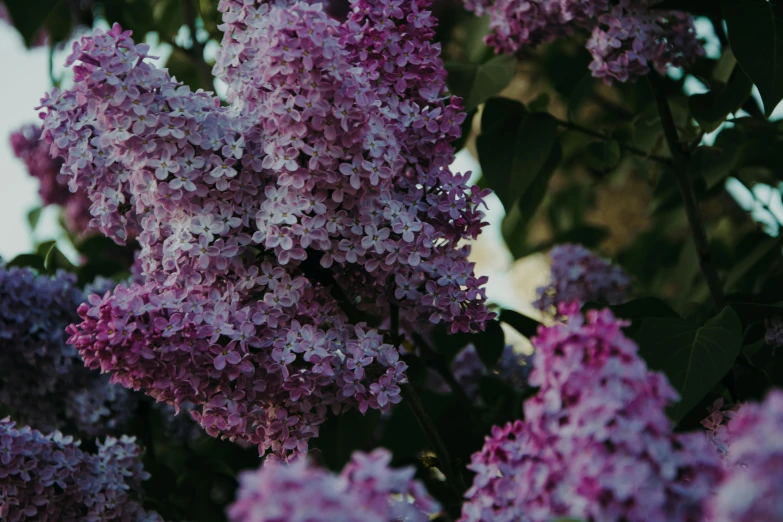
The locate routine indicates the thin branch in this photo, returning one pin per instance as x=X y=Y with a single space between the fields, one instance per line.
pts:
x=196 y=50
x=433 y=437
x=624 y=146
x=314 y=271
x=682 y=175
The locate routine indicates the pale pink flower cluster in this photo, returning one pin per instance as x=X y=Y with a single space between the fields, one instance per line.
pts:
x=273 y=228
x=750 y=488
x=367 y=490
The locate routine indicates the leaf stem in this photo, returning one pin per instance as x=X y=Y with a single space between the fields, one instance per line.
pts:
x=681 y=166
x=624 y=146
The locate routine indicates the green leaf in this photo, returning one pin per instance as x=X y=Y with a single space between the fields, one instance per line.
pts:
x=54 y=260
x=476 y=83
x=523 y=324
x=711 y=108
x=694 y=358
x=514 y=148
x=514 y=226
x=33 y=217
x=490 y=344
x=642 y=308
x=714 y=164
x=29 y=17
x=756 y=37
x=603 y=155
x=27 y=260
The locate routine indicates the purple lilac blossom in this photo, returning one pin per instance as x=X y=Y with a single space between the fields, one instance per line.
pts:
x=512 y=368
x=629 y=37
x=717 y=422
x=367 y=490
x=774 y=335
x=34 y=152
x=331 y=158
x=42 y=379
x=578 y=275
x=596 y=443
x=48 y=478
x=750 y=489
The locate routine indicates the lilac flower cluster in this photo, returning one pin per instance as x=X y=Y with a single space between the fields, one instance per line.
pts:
x=717 y=422
x=49 y=478
x=596 y=443
x=512 y=368
x=774 y=334
x=580 y=276
x=28 y=146
x=629 y=37
x=264 y=226
x=42 y=378
x=367 y=490
x=750 y=489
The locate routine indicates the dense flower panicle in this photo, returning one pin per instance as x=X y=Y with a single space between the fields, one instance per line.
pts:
x=41 y=377
x=367 y=490
x=630 y=40
x=629 y=37
x=750 y=489
x=324 y=184
x=596 y=444
x=48 y=478
x=578 y=275
x=28 y=146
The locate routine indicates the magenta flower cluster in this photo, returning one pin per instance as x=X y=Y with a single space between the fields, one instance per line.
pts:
x=717 y=423
x=578 y=275
x=270 y=228
x=628 y=37
x=42 y=379
x=750 y=488
x=367 y=490
x=596 y=443
x=48 y=478
x=28 y=146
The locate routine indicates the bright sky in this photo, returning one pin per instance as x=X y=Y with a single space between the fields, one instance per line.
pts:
x=19 y=93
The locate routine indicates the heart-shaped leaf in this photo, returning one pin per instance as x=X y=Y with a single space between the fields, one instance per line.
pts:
x=694 y=357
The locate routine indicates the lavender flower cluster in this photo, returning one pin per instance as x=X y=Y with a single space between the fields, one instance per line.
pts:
x=367 y=490
x=42 y=378
x=628 y=37
x=48 y=478
x=774 y=334
x=512 y=368
x=595 y=443
x=578 y=275
x=28 y=146
x=750 y=488
x=322 y=189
